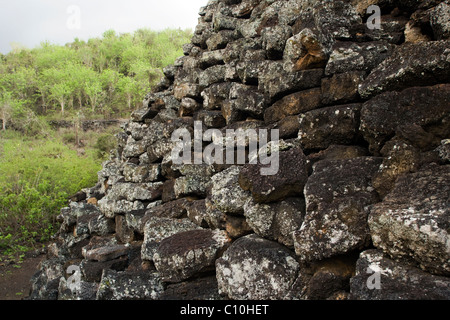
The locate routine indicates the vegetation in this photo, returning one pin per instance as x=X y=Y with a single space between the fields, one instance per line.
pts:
x=102 y=78
x=106 y=76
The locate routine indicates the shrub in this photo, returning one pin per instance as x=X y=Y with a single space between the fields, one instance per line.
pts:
x=36 y=179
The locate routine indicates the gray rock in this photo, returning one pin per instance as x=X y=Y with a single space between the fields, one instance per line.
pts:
x=157 y=229
x=129 y=286
x=439 y=20
x=336 y=220
x=214 y=74
x=225 y=192
x=254 y=268
x=276 y=221
x=141 y=173
x=186 y=254
x=413 y=219
x=274 y=40
x=410 y=64
x=380 y=278
x=110 y=208
x=106 y=253
x=383 y=115
x=357 y=56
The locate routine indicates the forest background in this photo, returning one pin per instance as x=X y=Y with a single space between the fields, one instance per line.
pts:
x=42 y=166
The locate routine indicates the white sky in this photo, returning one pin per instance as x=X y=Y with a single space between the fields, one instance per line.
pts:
x=29 y=22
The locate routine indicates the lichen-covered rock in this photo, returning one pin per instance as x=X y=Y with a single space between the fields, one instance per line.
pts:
x=225 y=192
x=336 y=220
x=348 y=56
x=124 y=285
x=413 y=219
x=321 y=128
x=188 y=253
x=276 y=221
x=199 y=289
x=256 y=269
x=295 y=103
x=380 y=278
x=410 y=64
x=401 y=158
x=157 y=229
x=45 y=282
x=362 y=114
x=276 y=82
x=289 y=181
x=384 y=114
x=439 y=20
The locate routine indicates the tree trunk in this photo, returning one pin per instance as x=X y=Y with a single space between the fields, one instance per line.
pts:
x=3 y=121
x=62 y=107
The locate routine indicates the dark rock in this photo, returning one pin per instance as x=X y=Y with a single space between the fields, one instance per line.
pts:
x=215 y=95
x=400 y=158
x=331 y=278
x=337 y=194
x=129 y=286
x=106 y=253
x=289 y=181
x=383 y=115
x=410 y=64
x=236 y=226
x=380 y=278
x=338 y=152
x=342 y=87
x=198 y=289
x=276 y=82
x=157 y=229
x=143 y=114
x=332 y=125
x=439 y=21
x=413 y=219
x=92 y=270
x=314 y=54
x=296 y=103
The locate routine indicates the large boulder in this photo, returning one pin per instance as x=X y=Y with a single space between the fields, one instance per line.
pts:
x=254 y=268
x=413 y=220
x=288 y=181
x=410 y=64
x=378 y=277
x=337 y=194
x=189 y=253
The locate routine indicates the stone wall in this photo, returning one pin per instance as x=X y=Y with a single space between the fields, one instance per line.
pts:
x=359 y=207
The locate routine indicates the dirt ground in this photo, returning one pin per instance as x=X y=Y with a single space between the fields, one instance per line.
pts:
x=14 y=281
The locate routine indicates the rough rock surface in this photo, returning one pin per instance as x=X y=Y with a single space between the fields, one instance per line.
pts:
x=254 y=268
x=358 y=208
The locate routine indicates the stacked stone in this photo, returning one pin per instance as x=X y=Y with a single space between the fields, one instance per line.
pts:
x=359 y=208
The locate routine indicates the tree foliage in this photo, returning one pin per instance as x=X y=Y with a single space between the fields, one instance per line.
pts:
x=107 y=76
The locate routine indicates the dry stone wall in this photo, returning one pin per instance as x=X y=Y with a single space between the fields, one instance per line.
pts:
x=359 y=207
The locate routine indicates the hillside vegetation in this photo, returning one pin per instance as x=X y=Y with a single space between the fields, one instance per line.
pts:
x=40 y=168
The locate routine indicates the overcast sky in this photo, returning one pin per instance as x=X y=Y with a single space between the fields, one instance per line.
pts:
x=29 y=22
